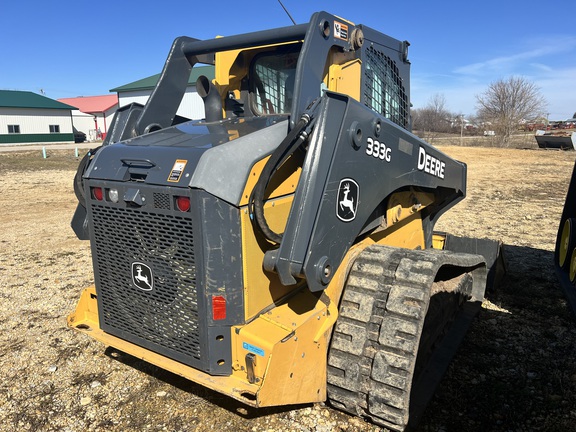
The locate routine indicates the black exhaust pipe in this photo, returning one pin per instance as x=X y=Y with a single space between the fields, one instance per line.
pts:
x=212 y=102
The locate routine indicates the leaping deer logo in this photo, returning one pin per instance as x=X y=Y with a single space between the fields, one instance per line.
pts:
x=347 y=200
x=142 y=276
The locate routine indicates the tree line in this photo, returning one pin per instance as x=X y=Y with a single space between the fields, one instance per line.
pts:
x=501 y=108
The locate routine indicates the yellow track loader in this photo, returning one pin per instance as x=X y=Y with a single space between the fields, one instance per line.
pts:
x=281 y=250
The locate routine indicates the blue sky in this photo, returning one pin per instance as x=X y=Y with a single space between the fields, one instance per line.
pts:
x=81 y=48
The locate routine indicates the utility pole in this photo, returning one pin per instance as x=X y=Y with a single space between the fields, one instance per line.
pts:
x=461 y=130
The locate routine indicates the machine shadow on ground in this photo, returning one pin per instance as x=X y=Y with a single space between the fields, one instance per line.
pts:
x=524 y=336
x=211 y=396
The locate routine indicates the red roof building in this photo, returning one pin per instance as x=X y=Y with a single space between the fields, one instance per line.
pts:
x=94 y=114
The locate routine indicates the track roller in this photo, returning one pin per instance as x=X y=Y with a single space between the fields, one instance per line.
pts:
x=402 y=317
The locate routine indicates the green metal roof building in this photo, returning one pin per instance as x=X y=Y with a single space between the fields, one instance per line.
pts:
x=27 y=117
x=139 y=91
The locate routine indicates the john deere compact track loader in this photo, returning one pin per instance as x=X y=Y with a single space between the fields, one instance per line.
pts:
x=281 y=250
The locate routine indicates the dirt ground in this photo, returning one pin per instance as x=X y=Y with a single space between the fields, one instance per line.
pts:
x=516 y=370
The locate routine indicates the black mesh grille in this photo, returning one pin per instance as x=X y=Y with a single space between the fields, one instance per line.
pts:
x=383 y=90
x=161 y=201
x=166 y=317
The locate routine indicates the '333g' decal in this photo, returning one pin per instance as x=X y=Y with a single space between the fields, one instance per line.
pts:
x=378 y=149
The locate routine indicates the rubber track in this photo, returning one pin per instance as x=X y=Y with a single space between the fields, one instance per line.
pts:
x=376 y=338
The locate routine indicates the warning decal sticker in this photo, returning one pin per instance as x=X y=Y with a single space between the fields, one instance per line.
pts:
x=177 y=170
x=340 y=30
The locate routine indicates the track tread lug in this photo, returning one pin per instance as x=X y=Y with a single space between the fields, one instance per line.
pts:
x=376 y=338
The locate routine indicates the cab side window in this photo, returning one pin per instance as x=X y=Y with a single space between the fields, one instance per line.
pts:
x=272 y=82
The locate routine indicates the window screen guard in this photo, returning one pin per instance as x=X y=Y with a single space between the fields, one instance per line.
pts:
x=273 y=82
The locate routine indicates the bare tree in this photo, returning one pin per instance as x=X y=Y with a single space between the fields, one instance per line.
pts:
x=507 y=102
x=433 y=118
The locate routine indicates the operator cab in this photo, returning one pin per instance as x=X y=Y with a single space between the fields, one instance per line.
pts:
x=258 y=82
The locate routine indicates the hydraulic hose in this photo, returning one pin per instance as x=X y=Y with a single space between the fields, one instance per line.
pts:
x=287 y=147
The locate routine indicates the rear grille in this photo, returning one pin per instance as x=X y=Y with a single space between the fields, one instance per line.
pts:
x=165 y=318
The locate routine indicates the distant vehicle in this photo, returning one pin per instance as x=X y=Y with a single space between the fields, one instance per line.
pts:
x=79 y=137
x=561 y=139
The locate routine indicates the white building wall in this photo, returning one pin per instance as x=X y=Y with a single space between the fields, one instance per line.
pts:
x=109 y=116
x=35 y=121
x=82 y=122
x=99 y=127
x=140 y=96
x=192 y=105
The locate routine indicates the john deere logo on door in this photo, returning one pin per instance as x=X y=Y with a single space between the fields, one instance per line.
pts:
x=142 y=276
x=347 y=202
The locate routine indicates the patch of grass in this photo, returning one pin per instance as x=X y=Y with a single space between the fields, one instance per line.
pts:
x=33 y=160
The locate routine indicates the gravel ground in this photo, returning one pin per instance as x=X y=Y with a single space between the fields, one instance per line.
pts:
x=516 y=370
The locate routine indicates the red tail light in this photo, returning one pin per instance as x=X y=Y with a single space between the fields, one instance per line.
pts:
x=183 y=203
x=98 y=193
x=218 y=308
